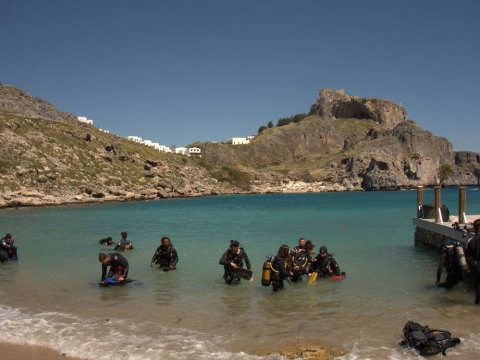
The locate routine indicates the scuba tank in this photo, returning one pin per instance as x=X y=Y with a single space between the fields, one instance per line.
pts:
x=462 y=261
x=267 y=271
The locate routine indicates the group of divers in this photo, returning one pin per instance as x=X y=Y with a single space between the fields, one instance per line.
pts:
x=288 y=265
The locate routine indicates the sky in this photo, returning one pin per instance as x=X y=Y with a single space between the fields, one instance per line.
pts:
x=181 y=71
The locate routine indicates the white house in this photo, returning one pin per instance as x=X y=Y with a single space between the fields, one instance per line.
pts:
x=136 y=139
x=238 y=141
x=104 y=131
x=250 y=138
x=181 y=151
x=84 y=120
x=194 y=151
x=165 y=149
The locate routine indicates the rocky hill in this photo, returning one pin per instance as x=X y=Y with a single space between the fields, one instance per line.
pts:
x=47 y=157
x=348 y=143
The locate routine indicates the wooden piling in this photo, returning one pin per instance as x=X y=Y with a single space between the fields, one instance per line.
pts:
x=437 y=204
x=462 y=204
x=419 y=201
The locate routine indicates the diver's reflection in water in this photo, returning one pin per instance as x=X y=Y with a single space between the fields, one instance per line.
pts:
x=166 y=286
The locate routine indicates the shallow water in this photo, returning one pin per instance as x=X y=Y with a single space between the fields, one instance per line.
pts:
x=50 y=297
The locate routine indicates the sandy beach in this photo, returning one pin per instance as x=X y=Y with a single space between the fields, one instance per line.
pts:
x=25 y=352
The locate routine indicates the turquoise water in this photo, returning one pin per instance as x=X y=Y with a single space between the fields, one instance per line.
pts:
x=50 y=297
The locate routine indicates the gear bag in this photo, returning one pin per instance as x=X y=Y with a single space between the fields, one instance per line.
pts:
x=428 y=341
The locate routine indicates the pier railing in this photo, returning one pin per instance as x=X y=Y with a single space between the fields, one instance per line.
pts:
x=433 y=224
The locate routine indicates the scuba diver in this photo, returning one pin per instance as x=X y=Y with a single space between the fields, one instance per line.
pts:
x=473 y=250
x=233 y=259
x=123 y=244
x=8 y=251
x=118 y=267
x=300 y=247
x=324 y=264
x=106 y=241
x=301 y=257
x=280 y=268
x=453 y=260
x=165 y=256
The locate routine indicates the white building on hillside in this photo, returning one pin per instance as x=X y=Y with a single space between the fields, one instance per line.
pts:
x=84 y=120
x=181 y=151
x=238 y=141
x=194 y=151
x=136 y=139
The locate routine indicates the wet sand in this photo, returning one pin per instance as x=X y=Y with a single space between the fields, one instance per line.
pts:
x=25 y=352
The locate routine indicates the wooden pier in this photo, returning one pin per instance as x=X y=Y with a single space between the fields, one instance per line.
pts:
x=433 y=224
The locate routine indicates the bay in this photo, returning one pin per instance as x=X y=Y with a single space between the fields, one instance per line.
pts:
x=50 y=296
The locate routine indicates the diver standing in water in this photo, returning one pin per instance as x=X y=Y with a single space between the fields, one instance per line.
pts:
x=473 y=249
x=123 y=244
x=118 y=266
x=281 y=268
x=165 y=256
x=8 y=251
x=233 y=259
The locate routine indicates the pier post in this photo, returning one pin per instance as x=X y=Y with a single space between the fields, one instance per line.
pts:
x=462 y=204
x=419 y=200
x=437 y=204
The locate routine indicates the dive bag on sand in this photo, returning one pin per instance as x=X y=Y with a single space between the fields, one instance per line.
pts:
x=428 y=341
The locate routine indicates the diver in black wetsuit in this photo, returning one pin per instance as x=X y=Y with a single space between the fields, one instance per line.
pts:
x=473 y=250
x=165 y=256
x=281 y=268
x=449 y=261
x=300 y=248
x=8 y=251
x=118 y=266
x=123 y=244
x=232 y=259
x=324 y=264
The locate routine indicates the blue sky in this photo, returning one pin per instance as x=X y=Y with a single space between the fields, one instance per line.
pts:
x=183 y=71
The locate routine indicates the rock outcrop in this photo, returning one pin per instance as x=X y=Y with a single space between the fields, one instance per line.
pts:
x=351 y=142
x=338 y=105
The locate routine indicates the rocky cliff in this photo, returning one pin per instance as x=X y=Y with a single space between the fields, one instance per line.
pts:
x=352 y=143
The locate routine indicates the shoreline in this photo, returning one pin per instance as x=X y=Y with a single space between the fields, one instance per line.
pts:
x=24 y=201
x=11 y=351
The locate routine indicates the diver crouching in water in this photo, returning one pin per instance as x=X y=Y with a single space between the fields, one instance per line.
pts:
x=325 y=265
x=233 y=259
x=165 y=256
x=118 y=267
x=281 y=268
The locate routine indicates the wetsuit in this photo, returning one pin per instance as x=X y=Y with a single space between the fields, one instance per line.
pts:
x=473 y=252
x=118 y=266
x=123 y=244
x=280 y=272
x=8 y=251
x=325 y=266
x=299 y=259
x=449 y=261
x=238 y=259
x=167 y=258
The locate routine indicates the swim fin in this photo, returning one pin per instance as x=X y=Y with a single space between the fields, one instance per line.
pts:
x=313 y=277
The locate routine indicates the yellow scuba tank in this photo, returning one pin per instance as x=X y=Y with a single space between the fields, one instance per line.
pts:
x=267 y=272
